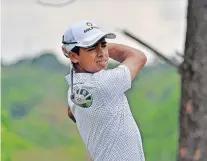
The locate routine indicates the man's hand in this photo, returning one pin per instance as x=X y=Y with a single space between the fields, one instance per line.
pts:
x=70 y=115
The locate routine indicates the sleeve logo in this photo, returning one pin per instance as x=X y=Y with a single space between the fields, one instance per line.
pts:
x=82 y=98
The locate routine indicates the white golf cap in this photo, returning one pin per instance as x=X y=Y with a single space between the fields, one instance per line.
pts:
x=84 y=34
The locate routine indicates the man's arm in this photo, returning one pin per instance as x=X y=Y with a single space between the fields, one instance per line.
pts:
x=132 y=58
x=70 y=115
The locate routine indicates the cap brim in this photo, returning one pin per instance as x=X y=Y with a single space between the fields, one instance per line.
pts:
x=90 y=41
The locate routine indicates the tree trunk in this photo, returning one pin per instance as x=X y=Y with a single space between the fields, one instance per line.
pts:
x=193 y=110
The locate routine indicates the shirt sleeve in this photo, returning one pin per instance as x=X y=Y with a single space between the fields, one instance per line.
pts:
x=115 y=81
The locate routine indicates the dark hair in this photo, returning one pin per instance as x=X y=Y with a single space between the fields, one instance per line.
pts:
x=76 y=50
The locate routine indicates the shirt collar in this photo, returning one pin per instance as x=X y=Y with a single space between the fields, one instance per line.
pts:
x=77 y=78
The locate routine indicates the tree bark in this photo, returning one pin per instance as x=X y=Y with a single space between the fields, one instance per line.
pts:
x=193 y=105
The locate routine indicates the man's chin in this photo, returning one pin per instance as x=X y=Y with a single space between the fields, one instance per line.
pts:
x=101 y=68
x=104 y=66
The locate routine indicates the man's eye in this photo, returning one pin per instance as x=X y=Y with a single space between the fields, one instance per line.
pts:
x=103 y=44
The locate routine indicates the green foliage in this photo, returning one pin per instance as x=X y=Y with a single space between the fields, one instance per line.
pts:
x=34 y=115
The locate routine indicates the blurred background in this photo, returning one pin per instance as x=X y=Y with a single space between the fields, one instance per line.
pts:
x=35 y=125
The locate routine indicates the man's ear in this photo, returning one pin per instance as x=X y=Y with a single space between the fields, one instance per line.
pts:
x=73 y=57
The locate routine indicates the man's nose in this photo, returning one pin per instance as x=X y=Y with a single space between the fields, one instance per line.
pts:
x=100 y=51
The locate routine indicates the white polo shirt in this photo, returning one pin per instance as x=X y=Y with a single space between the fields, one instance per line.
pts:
x=107 y=127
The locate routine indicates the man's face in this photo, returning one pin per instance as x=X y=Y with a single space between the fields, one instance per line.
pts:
x=95 y=58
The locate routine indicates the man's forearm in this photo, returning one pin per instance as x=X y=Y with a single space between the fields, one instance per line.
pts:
x=121 y=52
x=72 y=118
x=70 y=115
x=132 y=58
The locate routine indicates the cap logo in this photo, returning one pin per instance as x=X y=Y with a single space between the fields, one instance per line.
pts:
x=90 y=27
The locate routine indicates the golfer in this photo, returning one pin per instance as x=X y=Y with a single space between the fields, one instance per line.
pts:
x=96 y=95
